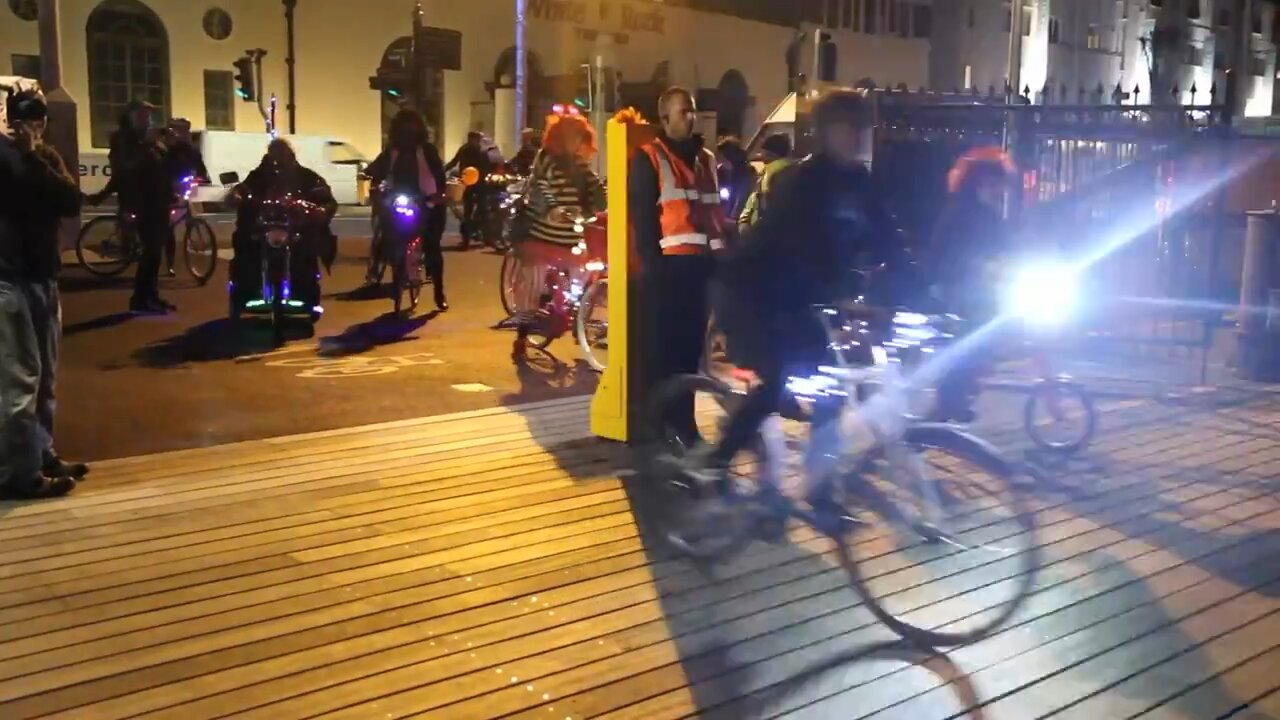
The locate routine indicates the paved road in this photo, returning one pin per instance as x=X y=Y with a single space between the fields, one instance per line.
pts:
x=136 y=385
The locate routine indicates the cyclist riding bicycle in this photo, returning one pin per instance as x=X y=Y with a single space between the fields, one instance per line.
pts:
x=826 y=220
x=411 y=161
x=563 y=190
x=970 y=241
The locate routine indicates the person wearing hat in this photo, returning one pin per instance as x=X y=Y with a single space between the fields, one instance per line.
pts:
x=472 y=154
x=141 y=176
x=775 y=152
x=38 y=193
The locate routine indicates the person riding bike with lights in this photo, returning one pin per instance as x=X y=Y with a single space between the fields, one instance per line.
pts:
x=826 y=220
x=970 y=244
x=412 y=162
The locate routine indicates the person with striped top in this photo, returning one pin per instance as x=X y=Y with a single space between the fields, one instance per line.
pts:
x=563 y=189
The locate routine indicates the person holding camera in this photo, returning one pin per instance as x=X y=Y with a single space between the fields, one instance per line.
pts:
x=36 y=193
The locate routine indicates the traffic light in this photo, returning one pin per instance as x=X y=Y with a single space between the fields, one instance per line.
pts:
x=826 y=59
x=244 y=78
x=396 y=87
x=584 y=94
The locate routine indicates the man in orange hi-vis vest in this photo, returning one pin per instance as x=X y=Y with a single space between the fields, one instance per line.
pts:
x=675 y=209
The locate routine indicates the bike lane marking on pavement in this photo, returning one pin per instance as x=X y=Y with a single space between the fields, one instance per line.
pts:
x=354 y=365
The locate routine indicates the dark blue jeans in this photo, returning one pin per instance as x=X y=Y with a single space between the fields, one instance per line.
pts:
x=20 y=435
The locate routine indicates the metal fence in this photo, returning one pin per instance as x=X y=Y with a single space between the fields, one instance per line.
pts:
x=1140 y=182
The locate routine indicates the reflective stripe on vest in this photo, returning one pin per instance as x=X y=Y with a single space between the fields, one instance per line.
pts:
x=683 y=201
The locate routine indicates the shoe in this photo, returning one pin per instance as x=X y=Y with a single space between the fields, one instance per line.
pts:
x=56 y=467
x=170 y=272
x=41 y=487
x=830 y=518
x=441 y=302
x=161 y=302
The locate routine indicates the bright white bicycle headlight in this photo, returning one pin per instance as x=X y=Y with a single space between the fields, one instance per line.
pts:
x=1044 y=293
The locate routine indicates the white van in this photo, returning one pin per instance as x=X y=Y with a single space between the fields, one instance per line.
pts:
x=336 y=161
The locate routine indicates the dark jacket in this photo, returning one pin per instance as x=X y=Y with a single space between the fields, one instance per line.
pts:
x=967 y=237
x=642 y=195
x=522 y=163
x=36 y=193
x=139 y=173
x=471 y=156
x=405 y=172
x=825 y=222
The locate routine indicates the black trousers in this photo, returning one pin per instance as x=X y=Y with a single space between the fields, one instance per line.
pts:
x=474 y=211
x=677 y=328
x=153 y=229
x=431 y=238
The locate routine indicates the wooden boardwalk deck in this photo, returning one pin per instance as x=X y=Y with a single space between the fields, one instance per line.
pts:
x=493 y=564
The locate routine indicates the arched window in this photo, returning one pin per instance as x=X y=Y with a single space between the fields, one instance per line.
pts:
x=128 y=60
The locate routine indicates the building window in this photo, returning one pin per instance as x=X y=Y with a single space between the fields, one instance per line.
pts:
x=1258 y=65
x=1093 y=38
x=27 y=66
x=1194 y=56
x=1224 y=17
x=219 y=100
x=217 y=23
x=28 y=10
x=870 y=13
x=1055 y=31
x=972 y=19
x=1026 y=18
x=128 y=60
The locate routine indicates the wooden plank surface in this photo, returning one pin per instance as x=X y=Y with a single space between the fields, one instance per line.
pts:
x=492 y=564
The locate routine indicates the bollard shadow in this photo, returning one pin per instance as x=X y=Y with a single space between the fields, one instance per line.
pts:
x=561 y=430
x=217 y=340
x=386 y=329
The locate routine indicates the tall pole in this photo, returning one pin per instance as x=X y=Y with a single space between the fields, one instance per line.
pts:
x=291 y=106
x=522 y=69
x=1015 y=47
x=63 y=132
x=416 y=99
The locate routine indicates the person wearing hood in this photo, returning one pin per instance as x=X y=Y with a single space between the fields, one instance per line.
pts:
x=412 y=161
x=473 y=154
x=674 y=204
x=36 y=194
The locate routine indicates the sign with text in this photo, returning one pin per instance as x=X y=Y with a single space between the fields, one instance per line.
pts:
x=600 y=15
x=439 y=48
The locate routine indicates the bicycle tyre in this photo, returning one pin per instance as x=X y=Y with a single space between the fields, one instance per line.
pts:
x=110 y=268
x=376 y=267
x=967 y=447
x=596 y=294
x=200 y=272
x=506 y=280
x=672 y=492
x=413 y=271
x=1038 y=394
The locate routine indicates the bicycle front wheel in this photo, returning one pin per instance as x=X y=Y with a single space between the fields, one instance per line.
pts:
x=199 y=249
x=105 y=246
x=1059 y=416
x=946 y=551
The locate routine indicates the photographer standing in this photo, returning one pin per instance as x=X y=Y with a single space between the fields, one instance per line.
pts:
x=36 y=192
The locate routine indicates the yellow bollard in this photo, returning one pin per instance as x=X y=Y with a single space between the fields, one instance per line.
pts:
x=609 y=407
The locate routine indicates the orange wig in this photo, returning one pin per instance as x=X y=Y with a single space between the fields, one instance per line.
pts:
x=979 y=163
x=560 y=126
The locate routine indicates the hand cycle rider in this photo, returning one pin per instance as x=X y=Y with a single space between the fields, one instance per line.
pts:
x=279 y=174
x=413 y=162
x=824 y=220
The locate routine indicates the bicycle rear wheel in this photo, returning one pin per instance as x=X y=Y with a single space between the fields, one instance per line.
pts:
x=592 y=325
x=707 y=523
x=199 y=249
x=1059 y=416
x=507 y=280
x=105 y=246
x=948 y=549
